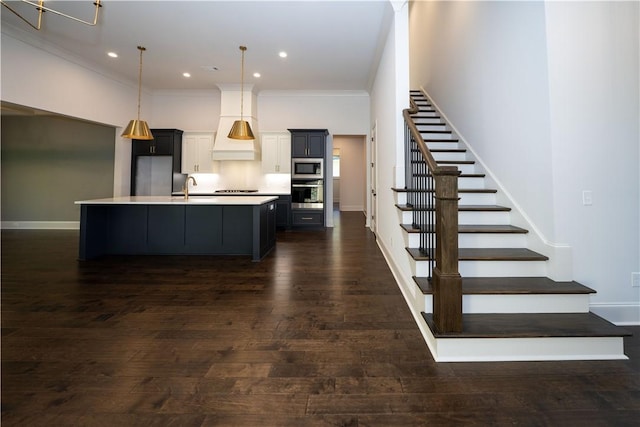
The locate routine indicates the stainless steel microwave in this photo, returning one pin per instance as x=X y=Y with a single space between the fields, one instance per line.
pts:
x=307 y=168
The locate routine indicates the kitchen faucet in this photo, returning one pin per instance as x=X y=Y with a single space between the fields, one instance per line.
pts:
x=185 y=188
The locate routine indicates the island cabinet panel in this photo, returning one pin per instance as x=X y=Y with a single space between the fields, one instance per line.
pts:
x=165 y=229
x=237 y=229
x=127 y=232
x=93 y=235
x=177 y=228
x=265 y=221
x=203 y=232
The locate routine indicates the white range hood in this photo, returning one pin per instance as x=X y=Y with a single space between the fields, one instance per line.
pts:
x=225 y=148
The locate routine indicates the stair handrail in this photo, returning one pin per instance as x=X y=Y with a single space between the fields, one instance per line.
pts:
x=422 y=146
x=446 y=280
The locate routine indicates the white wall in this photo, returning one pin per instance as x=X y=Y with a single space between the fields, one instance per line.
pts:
x=484 y=64
x=546 y=93
x=593 y=57
x=190 y=111
x=389 y=96
x=341 y=112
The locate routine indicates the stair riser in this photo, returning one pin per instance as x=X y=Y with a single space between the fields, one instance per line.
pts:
x=465 y=198
x=529 y=303
x=477 y=198
x=427 y=113
x=431 y=126
x=471 y=182
x=476 y=240
x=436 y=135
x=428 y=120
x=491 y=240
x=469 y=218
x=463 y=168
x=483 y=217
x=443 y=145
x=488 y=268
x=502 y=268
x=528 y=349
x=449 y=156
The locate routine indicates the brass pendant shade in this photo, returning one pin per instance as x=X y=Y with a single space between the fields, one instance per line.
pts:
x=241 y=128
x=138 y=129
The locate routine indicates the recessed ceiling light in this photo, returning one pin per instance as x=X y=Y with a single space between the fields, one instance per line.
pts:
x=283 y=54
x=187 y=75
x=256 y=75
x=112 y=54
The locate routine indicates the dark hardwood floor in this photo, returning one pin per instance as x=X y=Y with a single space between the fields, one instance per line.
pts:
x=315 y=334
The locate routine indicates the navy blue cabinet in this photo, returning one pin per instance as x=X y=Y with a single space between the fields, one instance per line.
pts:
x=166 y=229
x=308 y=142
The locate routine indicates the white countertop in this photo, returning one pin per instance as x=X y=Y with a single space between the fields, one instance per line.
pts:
x=180 y=200
x=214 y=194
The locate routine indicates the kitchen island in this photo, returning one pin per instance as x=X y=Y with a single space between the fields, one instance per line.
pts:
x=166 y=225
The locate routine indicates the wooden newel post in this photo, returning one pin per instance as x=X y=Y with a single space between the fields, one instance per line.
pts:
x=447 y=282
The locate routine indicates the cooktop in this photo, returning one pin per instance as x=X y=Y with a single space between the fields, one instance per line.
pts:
x=236 y=191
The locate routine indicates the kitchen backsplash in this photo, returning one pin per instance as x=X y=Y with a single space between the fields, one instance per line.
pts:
x=240 y=175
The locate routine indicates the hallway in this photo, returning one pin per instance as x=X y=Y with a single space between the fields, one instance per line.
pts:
x=317 y=333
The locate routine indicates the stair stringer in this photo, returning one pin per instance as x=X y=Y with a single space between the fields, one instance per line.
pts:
x=559 y=265
x=415 y=299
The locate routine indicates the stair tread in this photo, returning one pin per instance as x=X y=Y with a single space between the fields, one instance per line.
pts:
x=460 y=190
x=456 y=162
x=461 y=175
x=478 y=228
x=511 y=286
x=462 y=208
x=487 y=254
x=448 y=162
x=528 y=325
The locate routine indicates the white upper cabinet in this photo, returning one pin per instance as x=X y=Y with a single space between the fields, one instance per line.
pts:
x=276 y=152
x=196 y=152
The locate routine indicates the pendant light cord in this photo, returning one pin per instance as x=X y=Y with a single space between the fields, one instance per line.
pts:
x=242 y=48
x=141 y=49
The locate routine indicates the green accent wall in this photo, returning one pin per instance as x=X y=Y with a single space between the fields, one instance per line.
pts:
x=49 y=162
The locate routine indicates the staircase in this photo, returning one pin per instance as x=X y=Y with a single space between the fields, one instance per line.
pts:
x=511 y=310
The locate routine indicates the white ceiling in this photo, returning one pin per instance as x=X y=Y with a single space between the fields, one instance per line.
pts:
x=331 y=44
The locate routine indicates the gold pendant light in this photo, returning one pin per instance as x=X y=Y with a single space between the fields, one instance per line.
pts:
x=241 y=128
x=138 y=129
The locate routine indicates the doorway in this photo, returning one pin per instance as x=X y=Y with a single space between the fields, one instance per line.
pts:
x=349 y=173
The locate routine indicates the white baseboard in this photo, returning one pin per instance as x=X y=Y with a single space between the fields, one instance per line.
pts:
x=620 y=314
x=41 y=225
